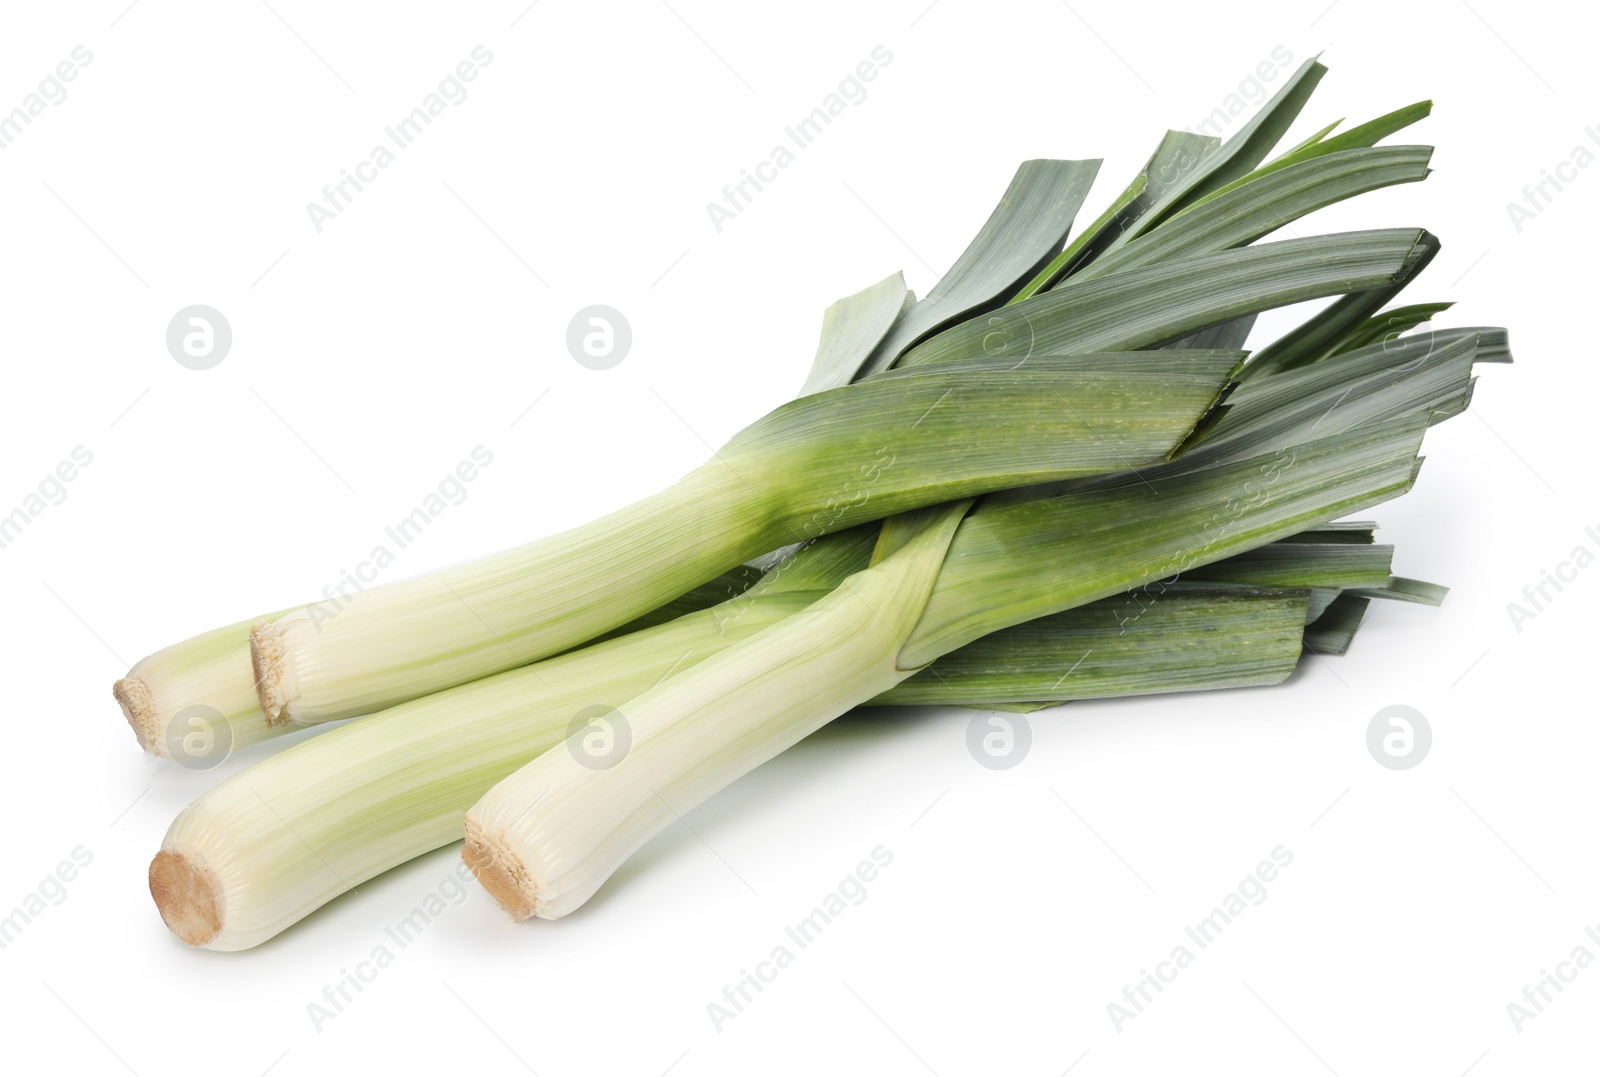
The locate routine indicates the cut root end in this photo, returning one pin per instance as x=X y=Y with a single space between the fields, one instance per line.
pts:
x=266 y=661
x=187 y=894
x=133 y=696
x=500 y=872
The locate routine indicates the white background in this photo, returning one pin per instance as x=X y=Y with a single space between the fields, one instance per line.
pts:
x=430 y=317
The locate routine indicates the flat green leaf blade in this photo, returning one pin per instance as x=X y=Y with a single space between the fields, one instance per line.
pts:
x=1370 y=133
x=1240 y=155
x=1418 y=375
x=1494 y=345
x=1321 y=599
x=1249 y=212
x=1145 y=307
x=1242 y=625
x=851 y=328
x=1080 y=547
x=1229 y=334
x=1332 y=632
x=1188 y=177
x=1024 y=231
x=1291 y=154
x=1175 y=640
x=886 y=445
x=1320 y=333
x=1383 y=360
x=1387 y=325
x=1342 y=531
x=1367 y=134
x=1302 y=564
x=1165 y=176
x=1403 y=589
x=1173 y=361
x=1079 y=247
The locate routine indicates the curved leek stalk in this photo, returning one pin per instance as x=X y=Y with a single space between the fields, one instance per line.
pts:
x=210 y=679
x=196 y=699
x=818 y=464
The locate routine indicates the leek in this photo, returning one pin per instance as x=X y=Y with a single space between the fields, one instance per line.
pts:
x=273 y=843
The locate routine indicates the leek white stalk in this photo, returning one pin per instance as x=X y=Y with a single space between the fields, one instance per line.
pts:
x=195 y=698
x=271 y=844
x=821 y=463
x=543 y=841
x=265 y=848
x=196 y=701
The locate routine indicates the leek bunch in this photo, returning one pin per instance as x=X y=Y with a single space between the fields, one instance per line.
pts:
x=1056 y=476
